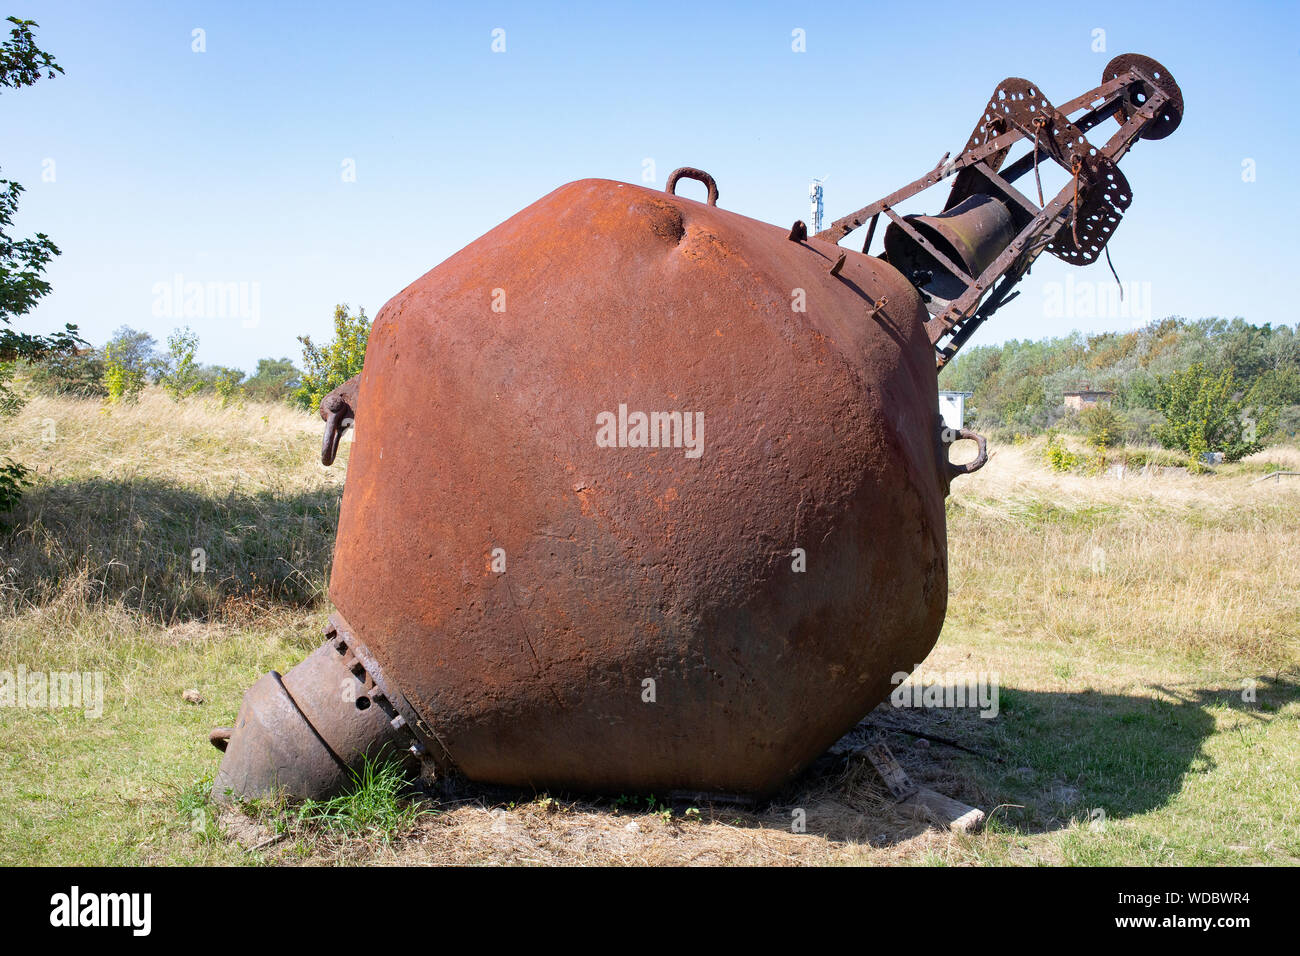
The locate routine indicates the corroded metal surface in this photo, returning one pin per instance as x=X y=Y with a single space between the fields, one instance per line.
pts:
x=477 y=431
x=1126 y=67
x=309 y=733
x=339 y=410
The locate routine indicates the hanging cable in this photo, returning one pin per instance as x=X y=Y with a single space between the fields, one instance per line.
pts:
x=1115 y=274
x=1039 y=123
x=1076 y=166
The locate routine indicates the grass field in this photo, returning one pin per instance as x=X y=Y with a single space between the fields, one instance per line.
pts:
x=1146 y=634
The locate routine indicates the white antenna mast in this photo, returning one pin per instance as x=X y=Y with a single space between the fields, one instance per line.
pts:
x=815 y=202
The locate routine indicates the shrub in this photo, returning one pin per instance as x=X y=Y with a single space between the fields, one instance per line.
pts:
x=122 y=381
x=179 y=374
x=11 y=402
x=275 y=380
x=134 y=349
x=1102 y=426
x=1288 y=423
x=1058 y=456
x=79 y=373
x=1202 y=415
x=227 y=385
x=328 y=367
x=1139 y=426
x=14 y=477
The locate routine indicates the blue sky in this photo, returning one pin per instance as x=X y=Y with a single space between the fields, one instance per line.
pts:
x=228 y=165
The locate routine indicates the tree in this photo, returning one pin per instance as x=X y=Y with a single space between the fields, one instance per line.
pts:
x=22 y=261
x=123 y=381
x=1102 y=425
x=179 y=372
x=1202 y=415
x=128 y=357
x=274 y=381
x=21 y=61
x=329 y=367
x=79 y=373
x=227 y=382
x=135 y=350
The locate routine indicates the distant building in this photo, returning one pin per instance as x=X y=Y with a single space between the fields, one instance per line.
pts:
x=1086 y=398
x=952 y=407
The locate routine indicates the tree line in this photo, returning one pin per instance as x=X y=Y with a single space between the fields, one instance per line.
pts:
x=1204 y=385
x=118 y=371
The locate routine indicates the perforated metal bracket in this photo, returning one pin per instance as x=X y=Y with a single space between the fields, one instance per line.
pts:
x=1076 y=224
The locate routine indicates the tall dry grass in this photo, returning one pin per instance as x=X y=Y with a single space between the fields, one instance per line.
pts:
x=125 y=494
x=131 y=501
x=1208 y=565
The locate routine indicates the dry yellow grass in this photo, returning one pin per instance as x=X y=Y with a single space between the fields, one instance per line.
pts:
x=1202 y=564
x=193 y=443
x=847 y=812
x=129 y=496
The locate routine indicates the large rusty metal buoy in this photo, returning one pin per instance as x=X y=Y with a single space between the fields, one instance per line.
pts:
x=646 y=495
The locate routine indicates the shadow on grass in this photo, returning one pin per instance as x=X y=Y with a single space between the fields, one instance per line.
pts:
x=166 y=552
x=1050 y=758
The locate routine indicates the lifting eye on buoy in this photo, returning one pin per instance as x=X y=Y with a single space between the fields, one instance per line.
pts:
x=949 y=436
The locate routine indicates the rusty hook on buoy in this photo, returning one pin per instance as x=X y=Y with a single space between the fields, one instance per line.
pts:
x=699 y=175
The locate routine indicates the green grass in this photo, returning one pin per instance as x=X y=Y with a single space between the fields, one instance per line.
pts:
x=375 y=806
x=1037 y=511
x=1184 y=770
x=120 y=789
x=1128 y=767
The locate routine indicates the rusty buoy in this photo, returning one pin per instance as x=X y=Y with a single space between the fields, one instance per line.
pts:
x=646 y=495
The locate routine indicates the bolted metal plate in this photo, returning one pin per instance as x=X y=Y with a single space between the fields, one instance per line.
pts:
x=1171 y=113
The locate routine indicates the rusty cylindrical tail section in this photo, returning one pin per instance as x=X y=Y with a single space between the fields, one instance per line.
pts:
x=309 y=733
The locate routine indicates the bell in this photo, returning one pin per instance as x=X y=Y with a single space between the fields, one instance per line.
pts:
x=972 y=234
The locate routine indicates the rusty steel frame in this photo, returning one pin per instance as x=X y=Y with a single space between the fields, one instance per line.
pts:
x=1144 y=99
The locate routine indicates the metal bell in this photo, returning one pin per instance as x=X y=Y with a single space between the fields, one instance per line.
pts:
x=972 y=234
